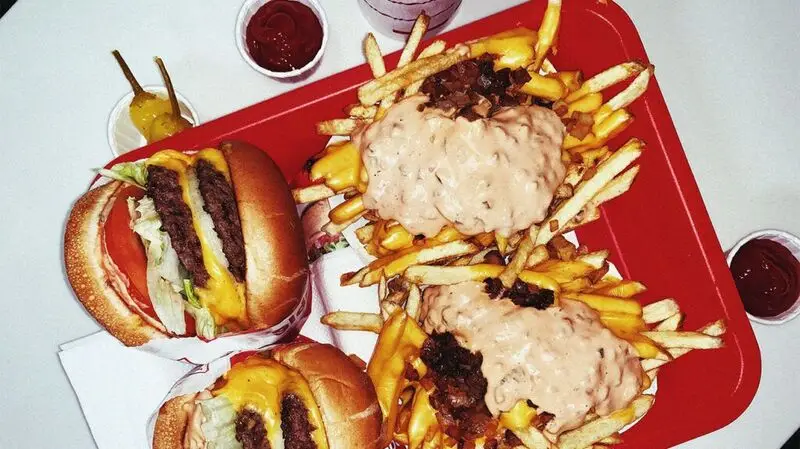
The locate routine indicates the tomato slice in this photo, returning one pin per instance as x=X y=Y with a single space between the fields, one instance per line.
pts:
x=126 y=249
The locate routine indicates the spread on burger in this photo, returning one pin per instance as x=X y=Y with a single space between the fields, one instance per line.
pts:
x=185 y=244
x=303 y=395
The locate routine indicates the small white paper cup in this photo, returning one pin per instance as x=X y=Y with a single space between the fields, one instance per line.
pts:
x=395 y=18
x=792 y=243
x=248 y=10
x=123 y=135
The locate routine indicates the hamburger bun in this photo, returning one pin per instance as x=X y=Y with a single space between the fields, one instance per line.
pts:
x=344 y=394
x=276 y=267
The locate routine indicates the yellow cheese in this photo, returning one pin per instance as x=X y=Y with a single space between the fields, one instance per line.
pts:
x=222 y=295
x=260 y=384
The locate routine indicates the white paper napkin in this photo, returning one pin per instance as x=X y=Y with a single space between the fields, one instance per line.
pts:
x=119 y=388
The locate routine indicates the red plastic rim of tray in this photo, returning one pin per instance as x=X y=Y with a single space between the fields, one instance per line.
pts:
x=659 y=232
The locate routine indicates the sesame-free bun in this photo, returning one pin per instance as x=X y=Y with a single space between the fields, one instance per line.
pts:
x=276 y=278
x=344 y=394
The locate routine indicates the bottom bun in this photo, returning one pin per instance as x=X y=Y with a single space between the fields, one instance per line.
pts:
x=344 y=394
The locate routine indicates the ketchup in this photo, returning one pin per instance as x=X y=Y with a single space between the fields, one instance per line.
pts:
x=767 y=276
x=283 y=35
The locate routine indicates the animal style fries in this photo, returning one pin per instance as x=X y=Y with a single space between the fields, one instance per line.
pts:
x=535 y=266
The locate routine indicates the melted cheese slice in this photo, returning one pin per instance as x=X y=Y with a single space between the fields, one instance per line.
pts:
x=222 y=295
x=260 y=384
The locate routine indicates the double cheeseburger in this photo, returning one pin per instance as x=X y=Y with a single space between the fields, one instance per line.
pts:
x=297 y=396
x=186 y=244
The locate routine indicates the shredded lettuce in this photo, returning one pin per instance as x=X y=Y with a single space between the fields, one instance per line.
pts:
x=203 y=322
x=131 y=172
x=219 y=428
x=188 y=290
x=167 y=303
x=164 y=278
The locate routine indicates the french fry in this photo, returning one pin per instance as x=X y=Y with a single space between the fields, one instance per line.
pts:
x=646 y=348
x=622 y=289
x=353 y=278
x=434 y=275
x=361 y=111
x=338 y=126
x=513 y=48
x=563 y=271
x=616 y=186
x=595 y=259
x=627 y=96
x=517 y=263
x=479 y=257
x=421 y=256
x=339 y=167
x=605 y=304
x=532 y=438
x=374 y=57
x=434 y=48
x=398 y=79
x=587 y=104
x=715 y=329
x=332 y=228
x=606 y=78
x=502 y=243
x=659 y=310
x=414 y=38
x=312 y=193
x=600 y=428
x=353 y=321
x=364 y=233
x=538 y=255
x=414 y=302
x=590 y=157
x=572 y=80
x=544 y=87
x=397 y=238
x=672 y=323
x=347 y=210
x=383 y=289
x=611 y=439
x=587 y=189
x=547 y=67
x=684 y=339
x=576 y=285
x=623 y=322
x=388 y=308
x=548 y=31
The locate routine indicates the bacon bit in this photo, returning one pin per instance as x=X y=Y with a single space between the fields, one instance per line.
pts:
x=560 y=108
x=410 y=373
x=362 y=365
x=596 y=275
x=589 y=173
x=541 y=420
x=427 y=383
x=564 y=191
x=494 y=257
x=580 y=124
x=554 y=225
x=582 y=250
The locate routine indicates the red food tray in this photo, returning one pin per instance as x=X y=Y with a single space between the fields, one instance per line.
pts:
x=659 y=232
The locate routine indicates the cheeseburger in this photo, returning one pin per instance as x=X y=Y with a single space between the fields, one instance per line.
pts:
x=185 y=244
x=297 y=396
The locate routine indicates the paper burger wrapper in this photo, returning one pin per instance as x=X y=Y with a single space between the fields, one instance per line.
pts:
x=197 y=351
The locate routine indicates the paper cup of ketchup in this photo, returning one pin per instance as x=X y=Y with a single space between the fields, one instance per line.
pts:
x=766 y=269
x=281 y=38
x=395 y=18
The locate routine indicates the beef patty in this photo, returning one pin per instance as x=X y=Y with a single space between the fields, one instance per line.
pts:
x=294 y=424
x=176 y=220
x=220 y=203
x=460 y=388
x=250 y=430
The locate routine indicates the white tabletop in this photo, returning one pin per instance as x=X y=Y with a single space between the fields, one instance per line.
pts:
x=727 y=70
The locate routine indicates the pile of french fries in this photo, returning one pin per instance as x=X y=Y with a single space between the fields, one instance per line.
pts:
x=571 y=272
x=405 y=264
